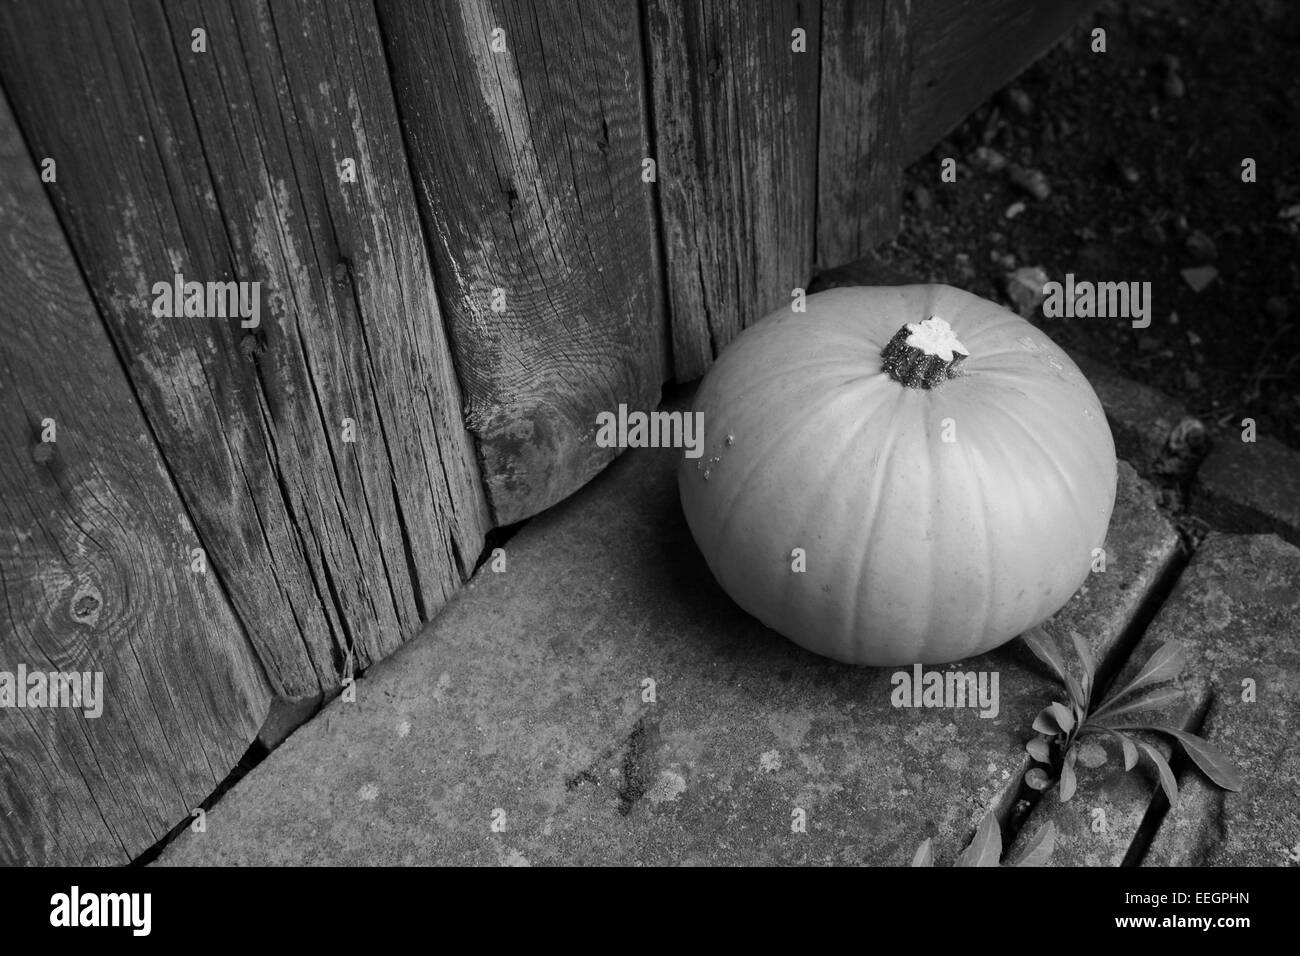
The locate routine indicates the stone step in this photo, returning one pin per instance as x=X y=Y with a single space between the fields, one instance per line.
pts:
x=518 y=728
x=1234 y=609
x=1250 y=602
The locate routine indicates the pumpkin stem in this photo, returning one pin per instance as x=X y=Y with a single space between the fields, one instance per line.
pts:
x=923 y=355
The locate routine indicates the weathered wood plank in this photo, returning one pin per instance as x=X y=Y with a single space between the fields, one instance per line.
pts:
x=965 y=50
x=735 y=126
x=225 y=164
x=95 y=576
x=866 y=72
x=528 y=160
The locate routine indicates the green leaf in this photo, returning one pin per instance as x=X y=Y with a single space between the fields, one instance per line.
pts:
x=1167 y=780
x=1084 y=650
x=1064 y=716
x=1036 y=778
x=1077 y=695
x=1044 y=648
x=924 y=854
x=1212 y=761
x=1046 y=723
x=1130 y=752
x=1125 y=742
x=1068 y=780
x=1164 y=665
x=1039 y=849
x=1039 y=750
x=1153 y=699
x=986 y=848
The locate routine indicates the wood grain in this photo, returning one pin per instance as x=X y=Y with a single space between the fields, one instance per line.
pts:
x=865 y=74
x=528 y=163
x=95 y=576
x=225 y=164
x=735 y=125
x=963 y=51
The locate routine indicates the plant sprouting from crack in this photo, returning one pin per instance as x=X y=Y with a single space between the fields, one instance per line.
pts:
x=985 y=847
x=1061 y=726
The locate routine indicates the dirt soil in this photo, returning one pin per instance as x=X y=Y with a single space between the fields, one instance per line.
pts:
x=1142 y=148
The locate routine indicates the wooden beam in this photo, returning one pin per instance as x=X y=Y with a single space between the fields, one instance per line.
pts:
x=964 y=51
x=735 y=127
x=527 y=132
x=322 y=453
x=95 y=576
x=866 y=67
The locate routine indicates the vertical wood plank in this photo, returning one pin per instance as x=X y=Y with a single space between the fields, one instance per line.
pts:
x=866 y=71
x=528 y=160
x=225 y=164
x=95 y=576
x=735 y=120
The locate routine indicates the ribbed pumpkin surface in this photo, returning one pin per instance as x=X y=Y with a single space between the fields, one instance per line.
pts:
x=916 y=549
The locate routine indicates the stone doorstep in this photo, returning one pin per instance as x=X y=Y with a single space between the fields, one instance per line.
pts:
x=1240 y=487
x=1237 y=608
x=522 y=705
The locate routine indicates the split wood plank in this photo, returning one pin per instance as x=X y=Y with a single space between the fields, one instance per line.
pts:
x=95 y=576
x=527 y=130
x=735 y=131
x=865 y=77
x=963 y=51
x=226 y=164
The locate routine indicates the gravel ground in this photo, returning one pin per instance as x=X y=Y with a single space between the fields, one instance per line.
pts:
x=1127 y=166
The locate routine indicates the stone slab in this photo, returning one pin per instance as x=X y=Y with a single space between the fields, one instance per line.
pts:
x=517 y=728
x=1250 y=487
x=1250 y=601
x=1234 y=610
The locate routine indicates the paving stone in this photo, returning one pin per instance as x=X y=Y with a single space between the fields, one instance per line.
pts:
x=1251 y=487
x=525 y=703
x=1234 y=609
x=1251 y=601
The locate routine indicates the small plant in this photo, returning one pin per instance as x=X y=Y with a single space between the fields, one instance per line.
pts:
x=986 y=847
x=1062 y=726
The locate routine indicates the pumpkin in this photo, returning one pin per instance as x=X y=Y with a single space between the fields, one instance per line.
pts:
x=898 y=475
